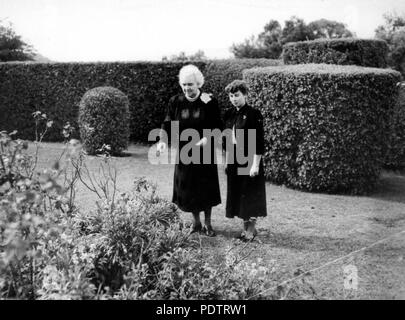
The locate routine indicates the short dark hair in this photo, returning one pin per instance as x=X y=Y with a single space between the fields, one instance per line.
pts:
x=237 y=85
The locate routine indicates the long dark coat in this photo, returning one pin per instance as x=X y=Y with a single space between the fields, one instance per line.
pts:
x=195 y=185
x=246 y=196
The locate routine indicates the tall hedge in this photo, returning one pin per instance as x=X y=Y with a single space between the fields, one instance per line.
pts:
x=326 y=126
x=395 y=157
x=56 y=89
x=346 y=51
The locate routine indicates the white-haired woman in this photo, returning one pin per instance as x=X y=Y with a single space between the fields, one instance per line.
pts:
x=195 y=184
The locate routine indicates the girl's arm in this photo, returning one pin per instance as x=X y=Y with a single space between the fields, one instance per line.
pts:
x=254 y=171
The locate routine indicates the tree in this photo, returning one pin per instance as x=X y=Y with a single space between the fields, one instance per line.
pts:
x=270 y=39
x=294 y=30
x=12 y=48
x=269 y=43
x=182 y=57
x=250 y=48
x=329 y=29
x=393 y=32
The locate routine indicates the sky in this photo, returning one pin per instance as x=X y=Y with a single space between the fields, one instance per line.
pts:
x=133 y=30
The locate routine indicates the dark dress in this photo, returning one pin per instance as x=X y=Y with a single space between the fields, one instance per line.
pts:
x=246 y=196
x=195 y=185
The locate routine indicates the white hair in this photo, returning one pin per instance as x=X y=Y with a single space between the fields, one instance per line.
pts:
x=191 y=70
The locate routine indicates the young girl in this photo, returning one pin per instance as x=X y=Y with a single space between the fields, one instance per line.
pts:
x=246 y=193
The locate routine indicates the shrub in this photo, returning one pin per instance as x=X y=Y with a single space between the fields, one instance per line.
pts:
x=56 y=89
x=395 y=158
x=34 y=211
x=104 y=120
x=349 y=51
x=326 y=126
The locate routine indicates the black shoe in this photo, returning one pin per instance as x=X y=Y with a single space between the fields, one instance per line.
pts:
x=241 y=236
x=208 y=231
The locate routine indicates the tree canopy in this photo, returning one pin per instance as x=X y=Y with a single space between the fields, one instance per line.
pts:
x=269 y=43
x=182 y=57
x=393 y=32
x=12 y=47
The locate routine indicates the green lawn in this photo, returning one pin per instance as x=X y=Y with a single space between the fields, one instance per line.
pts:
x=302 y=231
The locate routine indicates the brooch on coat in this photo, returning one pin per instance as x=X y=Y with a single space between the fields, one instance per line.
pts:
x=205 y=97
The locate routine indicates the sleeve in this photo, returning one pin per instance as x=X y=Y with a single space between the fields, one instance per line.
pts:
x=213 y=120
x=225 y=134
x=215 y=115
x=258 y=125
x=166 y=124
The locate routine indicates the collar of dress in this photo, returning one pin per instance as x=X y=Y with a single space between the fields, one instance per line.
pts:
x=194 y=99
x=241 y=109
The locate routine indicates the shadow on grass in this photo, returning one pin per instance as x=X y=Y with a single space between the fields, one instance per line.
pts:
x=391 y=187
x=337 y=246
x=388 y=222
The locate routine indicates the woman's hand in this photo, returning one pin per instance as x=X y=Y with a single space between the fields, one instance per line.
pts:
x=202 y=142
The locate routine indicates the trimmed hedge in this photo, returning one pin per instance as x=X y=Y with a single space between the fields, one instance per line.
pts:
x=395 y=158
x=104 y=120
x=347 y=51
x=326 y=126
x=56 y=89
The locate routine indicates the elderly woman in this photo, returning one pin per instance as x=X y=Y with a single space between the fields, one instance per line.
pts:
x=246 y=193
x=195 y=184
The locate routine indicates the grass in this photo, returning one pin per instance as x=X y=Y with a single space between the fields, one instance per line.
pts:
x=302 y=231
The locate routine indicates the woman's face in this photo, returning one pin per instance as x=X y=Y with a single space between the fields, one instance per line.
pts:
x=189 y=86
x=238 y=99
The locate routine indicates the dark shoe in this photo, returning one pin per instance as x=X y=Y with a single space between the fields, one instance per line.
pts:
x=241 y=236
x=208 y=231
x=196 y=228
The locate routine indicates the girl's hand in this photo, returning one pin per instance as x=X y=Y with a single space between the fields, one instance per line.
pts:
x=254 y=171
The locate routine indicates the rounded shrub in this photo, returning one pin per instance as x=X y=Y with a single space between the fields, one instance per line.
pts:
x=346 y=51
x=326 y=126
x=104 y=120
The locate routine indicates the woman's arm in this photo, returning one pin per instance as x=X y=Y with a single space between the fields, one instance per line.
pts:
x=213 y=120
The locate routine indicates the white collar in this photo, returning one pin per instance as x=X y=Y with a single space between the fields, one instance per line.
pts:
x=193 y=99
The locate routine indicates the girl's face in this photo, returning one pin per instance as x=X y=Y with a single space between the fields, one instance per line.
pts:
x=238 y=99
x=189 y=86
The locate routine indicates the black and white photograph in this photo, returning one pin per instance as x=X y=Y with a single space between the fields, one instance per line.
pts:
x=203 y=155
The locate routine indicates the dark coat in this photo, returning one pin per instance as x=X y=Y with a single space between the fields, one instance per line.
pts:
x=195 y=185
x=246 y=196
